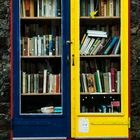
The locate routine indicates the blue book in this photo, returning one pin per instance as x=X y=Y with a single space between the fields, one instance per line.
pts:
x=114 y=39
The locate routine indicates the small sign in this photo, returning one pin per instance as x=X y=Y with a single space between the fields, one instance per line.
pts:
x=83 y=125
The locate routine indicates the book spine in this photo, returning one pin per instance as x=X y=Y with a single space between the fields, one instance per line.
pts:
x=110 y=45
x=113 y=75
x=32 y=8
x=44 y=81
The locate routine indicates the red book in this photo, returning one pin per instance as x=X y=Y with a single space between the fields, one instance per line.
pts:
x=115 y=103
x=86 y=7
x=57 y=84
x=27 y=7
x=113 y=78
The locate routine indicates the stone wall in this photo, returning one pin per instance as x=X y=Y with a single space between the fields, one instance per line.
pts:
x=135 y=69
x=4 y=70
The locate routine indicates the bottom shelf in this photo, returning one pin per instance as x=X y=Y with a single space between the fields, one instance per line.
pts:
x=100 y=103
x=41 y=104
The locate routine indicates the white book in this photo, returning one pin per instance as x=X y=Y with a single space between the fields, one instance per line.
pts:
x=97 y=35
x=37 y=8
x=111 y=7
x=28 y=46
x=42 y=8
x=53 y=8
x=35 y=46
x=89 y=45
x=84 y=81
x=84 y=46
x=118 y=81
x=91 y=5
x=23 y=82
x=49 y=7
x=96 y=32
x=39 y=45
x=44 y=80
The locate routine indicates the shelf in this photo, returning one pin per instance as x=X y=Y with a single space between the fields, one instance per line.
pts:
x=47 y=56
x=40 y=94
x=99 y=93
x=89 y=56
x=40 y=18
x=100 y=18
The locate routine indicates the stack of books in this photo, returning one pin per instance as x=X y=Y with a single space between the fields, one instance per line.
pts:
x=96 y=43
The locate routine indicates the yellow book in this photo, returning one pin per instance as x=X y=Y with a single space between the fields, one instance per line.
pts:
x=31 y=8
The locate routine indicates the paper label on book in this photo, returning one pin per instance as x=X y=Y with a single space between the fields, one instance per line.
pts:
x=83 y=125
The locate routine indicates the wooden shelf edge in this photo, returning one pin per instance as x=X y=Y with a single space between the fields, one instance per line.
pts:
x=101 y=17
x=40 y=94
x=100 y=93
x=47 y=56
x=100 y=56
x=40 y=18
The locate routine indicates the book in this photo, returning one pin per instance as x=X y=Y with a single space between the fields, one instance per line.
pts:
x=113 y=79
x=114 y=39
x=91 y=83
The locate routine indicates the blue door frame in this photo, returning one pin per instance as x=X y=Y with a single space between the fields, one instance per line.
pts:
x=40 y=125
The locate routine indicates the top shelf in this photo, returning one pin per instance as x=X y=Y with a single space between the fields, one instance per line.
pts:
x=82 y=18
x=40 y=18
x=101 y=17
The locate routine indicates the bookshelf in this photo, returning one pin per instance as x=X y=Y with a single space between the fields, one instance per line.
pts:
x=99 y=35
x=41 y=55
x=99 y=40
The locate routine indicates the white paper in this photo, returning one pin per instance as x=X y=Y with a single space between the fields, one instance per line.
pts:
x=83 y=125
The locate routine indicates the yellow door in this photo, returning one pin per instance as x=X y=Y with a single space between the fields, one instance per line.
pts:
x=99 y=69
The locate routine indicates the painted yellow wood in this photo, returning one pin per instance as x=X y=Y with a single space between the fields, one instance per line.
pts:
x=98 y=125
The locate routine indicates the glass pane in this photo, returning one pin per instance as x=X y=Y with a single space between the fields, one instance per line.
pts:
x=100 y=71
x=40 y=55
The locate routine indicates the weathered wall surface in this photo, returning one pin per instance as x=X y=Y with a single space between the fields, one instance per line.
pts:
x=4 y=70
x=135 y=69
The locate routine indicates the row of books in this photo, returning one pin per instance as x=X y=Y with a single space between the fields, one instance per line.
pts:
x=113 y=107
x=40 y=83
x=104 y=65
x=97 y=43
x=39 y=8
x=104 y=7
x=41 y=45
x=101 y=82
x=51 y=109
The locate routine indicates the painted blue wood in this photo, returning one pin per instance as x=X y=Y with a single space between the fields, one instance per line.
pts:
x=41 y=125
